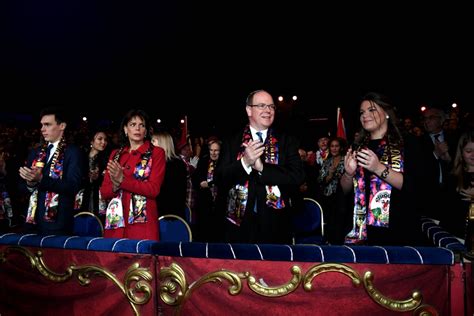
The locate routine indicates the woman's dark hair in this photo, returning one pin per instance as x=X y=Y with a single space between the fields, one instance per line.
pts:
x=128 y=117
x=393 y=133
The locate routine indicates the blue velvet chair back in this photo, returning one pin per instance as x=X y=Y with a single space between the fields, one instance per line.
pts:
x=87 y=224
x=308 y=224
x=174 y=228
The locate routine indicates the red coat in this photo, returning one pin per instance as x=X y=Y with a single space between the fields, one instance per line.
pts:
x=150 y=188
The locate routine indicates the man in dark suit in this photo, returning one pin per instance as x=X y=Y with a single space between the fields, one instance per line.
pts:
x=258 y=172
x=53 y=176
x=438 y=149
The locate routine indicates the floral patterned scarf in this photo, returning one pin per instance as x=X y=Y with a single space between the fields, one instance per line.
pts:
x=138 y=211
x=210 y=177
x=51 y=201
x=377 y=211
x=238 y=195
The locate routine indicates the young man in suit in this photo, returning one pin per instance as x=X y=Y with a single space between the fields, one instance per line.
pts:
x=259 y=170
x=53 y=176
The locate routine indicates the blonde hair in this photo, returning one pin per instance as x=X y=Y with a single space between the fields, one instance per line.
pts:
x=165 y=141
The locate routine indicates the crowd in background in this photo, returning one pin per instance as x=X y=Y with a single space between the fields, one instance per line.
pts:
x=441 y=153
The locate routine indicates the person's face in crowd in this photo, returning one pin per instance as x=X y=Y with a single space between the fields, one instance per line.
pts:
x=261 y=119
x=323 y=143
x=214 y=150
x=51 y=130
x=417 y=131
x=303 y=154
x=373 y=118
x=468 y=154
x=135 y=129
x=186 y=151
x=99 y=142
x=432 y=120
x=335 y=148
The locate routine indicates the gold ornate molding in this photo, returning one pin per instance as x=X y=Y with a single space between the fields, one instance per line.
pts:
x=393 y=305
x=316 y=270
x=139 y=294
x=174 y=290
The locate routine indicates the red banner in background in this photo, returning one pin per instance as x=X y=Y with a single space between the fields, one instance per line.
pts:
x=341 y=128
x=184 y=134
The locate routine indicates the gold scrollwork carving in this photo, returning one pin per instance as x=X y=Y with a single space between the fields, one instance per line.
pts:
x=173 y=281
x=141 y=277
x=329 y=267
x=277 y=291
x=394 y=305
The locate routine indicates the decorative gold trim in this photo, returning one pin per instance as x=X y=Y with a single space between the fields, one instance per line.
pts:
x=277 y=291
x=318 y=269
x=139 y=295
x=425 y=310
x=393 y=305
x=174 y=290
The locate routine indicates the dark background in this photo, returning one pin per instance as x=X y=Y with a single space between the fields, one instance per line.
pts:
x=202 y=60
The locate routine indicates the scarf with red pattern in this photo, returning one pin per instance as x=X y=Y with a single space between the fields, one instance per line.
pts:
x=51 y=201
x=377 y=211
x=138 y=206
x=238 y=195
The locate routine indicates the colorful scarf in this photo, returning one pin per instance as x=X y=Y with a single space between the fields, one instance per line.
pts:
x=6 y=210
x=210 y=177
x=238 y=195
x=51 y=201
x=321 y=156
x=377 y=211
x=138 y=211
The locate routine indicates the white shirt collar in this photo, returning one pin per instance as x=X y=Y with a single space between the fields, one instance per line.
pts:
x=254 y=133
x=55 y=146
x=440 y=138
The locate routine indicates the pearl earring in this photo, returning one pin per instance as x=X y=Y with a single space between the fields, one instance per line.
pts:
x=387 y=117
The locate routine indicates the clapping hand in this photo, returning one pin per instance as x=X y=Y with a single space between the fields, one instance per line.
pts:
x=116 y=173
x=253 y=150
x=31 y=175
x=367 y=159
x=350 y=162
x=467 y=194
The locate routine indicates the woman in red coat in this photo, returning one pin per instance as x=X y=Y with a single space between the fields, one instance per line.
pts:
x=132 y=181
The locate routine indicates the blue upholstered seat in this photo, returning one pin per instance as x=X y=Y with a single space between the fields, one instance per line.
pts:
x=308 y=223
x=174 y=228
x=86 y=224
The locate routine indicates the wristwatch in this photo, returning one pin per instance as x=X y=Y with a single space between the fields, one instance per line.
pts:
x=385 y=173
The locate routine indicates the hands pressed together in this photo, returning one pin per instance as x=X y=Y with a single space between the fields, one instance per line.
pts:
x=365 y=158
x=116 y=173
x=32 y=175
x=441 y=150
x=253 y=151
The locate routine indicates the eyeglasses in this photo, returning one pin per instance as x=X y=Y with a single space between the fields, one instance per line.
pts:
x=262 y=106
